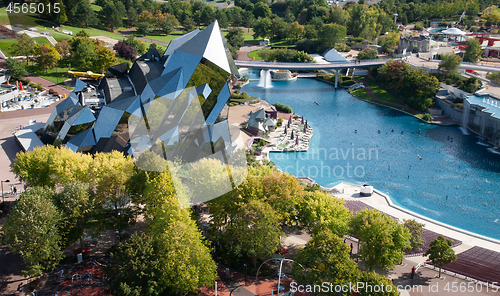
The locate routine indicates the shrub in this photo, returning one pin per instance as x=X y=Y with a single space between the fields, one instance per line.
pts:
x=283 y=108
x=348 y=83
x=368 y=54
x=458 y=100
x=280 y=122
x=419 y=26
x=448 y=81
x=427 y=117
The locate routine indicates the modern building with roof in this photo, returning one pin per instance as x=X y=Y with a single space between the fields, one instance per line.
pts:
x=175 y=104
x=421 y=43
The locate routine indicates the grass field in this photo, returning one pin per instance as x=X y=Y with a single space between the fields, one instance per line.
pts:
x=363 y=94
x=5 y=45
x=56 y=75
x=378 y=91
x=254 y=54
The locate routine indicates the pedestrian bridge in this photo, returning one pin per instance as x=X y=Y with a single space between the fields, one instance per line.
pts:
x=307 y=66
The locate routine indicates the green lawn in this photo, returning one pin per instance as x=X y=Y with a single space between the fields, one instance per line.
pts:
x=5 y=45
x=363 y=94
x=378 y=91
x=254 y=54
x=55 y=75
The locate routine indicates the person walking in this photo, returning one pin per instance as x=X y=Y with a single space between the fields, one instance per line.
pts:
x=15 y=190
x=412 y=272
x=350 y=252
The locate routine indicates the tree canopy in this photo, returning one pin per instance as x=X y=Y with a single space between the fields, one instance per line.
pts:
x=450 y=62
x=440 y=252
x=325 y=258
x=32 y=231
x=383 y=239
x=473 y=50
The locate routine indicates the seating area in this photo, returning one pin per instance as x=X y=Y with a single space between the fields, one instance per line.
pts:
x=477 y=263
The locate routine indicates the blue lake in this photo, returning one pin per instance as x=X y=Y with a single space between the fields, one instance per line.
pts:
x=440 y=173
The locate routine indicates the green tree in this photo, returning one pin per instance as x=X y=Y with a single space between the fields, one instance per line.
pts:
x=322 y=211
x=136 y=268
x=110 y=16
x=416 y=229
x=84 y=54
x=139 y=46
x=357 y=21
x=32 y=232
x=167 y=26
x=368 y=54
x=262 y=10
x=207 y=15
x=16 y=68
x=143 y=28
x=57 y=17
x=257 y=231
x=63 y=48
x=329 y=34
x=440 y=252
x=262 y=28
x=491 y=16
x=25 y=46
x=189 y=24
x=279 y=28
x=248 y=19
x=235 y=37
x=180 y=246
x=75 y=203
x=450 y=62
x=390 y=42
x=473 y=51
x=383 y=239
x=84 y=15
x=325 y=259
x=495 y=77
x=372 y=279
x=105 y=58
x=285 y=194
x=296 y=31
x=48 y=165
x=47 y=57
x=338 y=16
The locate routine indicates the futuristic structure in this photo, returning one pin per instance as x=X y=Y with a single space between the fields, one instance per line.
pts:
x=175 y=105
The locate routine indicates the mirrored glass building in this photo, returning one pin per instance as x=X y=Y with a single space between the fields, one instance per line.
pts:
x=175 y=105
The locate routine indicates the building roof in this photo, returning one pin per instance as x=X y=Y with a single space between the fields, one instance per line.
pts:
x=453 y=31
x=333 y=56
x=259 y=114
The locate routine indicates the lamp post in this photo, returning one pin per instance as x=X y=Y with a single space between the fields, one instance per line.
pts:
x=245 y=273
x=6 y=181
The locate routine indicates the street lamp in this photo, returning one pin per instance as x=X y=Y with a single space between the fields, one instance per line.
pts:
x=245 y=273
x=6 y=181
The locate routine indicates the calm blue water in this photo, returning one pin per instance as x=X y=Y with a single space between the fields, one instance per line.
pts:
x=456 y=181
